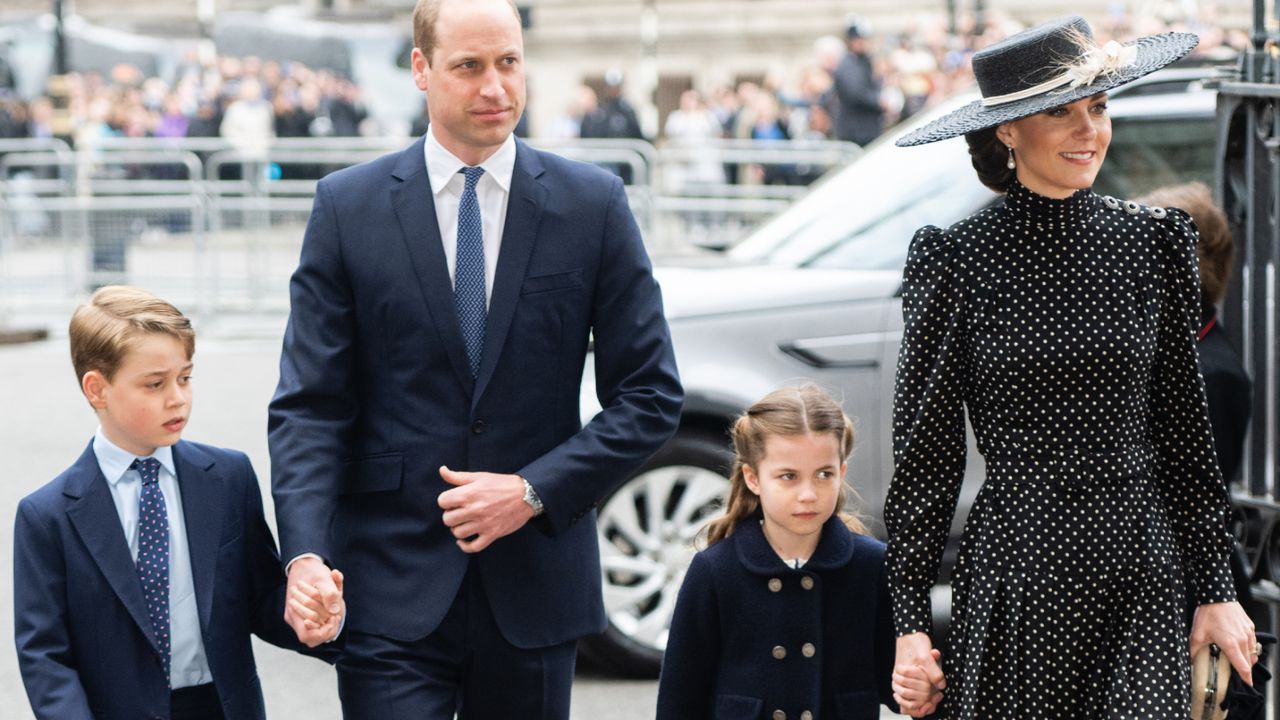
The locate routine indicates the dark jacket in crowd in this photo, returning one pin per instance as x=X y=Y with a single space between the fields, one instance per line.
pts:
x=859 y=117
x=751 y=636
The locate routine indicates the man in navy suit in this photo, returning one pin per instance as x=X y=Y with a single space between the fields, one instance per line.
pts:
x=425 y=435
x=141 y=570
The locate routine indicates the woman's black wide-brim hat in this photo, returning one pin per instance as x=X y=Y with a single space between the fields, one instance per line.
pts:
x=1047 y=66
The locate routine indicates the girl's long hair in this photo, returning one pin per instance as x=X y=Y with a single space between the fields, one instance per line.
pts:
x=787 y=411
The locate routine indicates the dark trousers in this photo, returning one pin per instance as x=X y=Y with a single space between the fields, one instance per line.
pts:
x=199 y=702
x=464 y=667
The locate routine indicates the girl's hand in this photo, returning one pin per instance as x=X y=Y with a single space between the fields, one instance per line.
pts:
x=1227 y=626
x=918 y=681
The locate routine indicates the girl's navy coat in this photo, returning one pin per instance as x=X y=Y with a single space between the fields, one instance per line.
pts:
x=753 y=638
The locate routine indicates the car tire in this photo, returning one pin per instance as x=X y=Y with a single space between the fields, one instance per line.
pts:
x=644 y=555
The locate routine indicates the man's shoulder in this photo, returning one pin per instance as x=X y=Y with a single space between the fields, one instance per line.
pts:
x=557 y=168
x=203 y=452
x=357 y=177
x=52 y=496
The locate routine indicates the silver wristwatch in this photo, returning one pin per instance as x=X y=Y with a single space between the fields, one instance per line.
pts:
x=531 y=497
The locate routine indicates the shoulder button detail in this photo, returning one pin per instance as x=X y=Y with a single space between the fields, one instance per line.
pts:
x=1132 y=207
x=1157 y=213
x=1111 y=202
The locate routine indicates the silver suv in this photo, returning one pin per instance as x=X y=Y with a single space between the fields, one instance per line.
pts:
x=814 y=294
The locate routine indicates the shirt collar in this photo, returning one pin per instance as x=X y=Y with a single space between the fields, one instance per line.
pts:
x=114 y=462
x=442 y=165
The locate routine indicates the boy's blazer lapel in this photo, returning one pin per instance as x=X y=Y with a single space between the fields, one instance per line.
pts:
x=94 y=516
x=524 y=211
x=202 y=507
x=416 y=210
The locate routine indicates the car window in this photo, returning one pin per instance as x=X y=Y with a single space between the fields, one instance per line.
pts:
x=1151 y=152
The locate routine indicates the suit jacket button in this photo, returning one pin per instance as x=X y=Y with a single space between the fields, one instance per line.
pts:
x=779 y=652
x=806 y=715
x=775 y=584
x=479 y=427
x=808 y=650
x=806 y=582
x=779 y=715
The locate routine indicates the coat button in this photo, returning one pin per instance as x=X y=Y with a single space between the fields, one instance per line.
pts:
x=806 y=715
x=808 y=650
x=775 y=584
x=806 y=582
x=779 y=652
x=779 y=715
x=479 y=427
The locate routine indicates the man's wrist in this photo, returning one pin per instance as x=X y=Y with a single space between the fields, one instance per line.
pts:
x=303 y=556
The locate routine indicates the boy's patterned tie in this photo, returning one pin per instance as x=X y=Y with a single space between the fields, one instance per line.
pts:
x=153 y=553
x=468 y=283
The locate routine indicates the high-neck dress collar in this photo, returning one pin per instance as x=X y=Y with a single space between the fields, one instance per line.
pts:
x=1046 y=212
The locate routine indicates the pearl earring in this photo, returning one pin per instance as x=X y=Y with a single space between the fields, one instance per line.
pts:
x=1011 y=164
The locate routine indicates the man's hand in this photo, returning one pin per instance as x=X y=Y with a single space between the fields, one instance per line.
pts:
x=482 y=507
x=1229 y=627
x=313 y=603
x=918 y=681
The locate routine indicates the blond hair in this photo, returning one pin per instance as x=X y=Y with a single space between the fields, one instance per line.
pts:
x=107 y=327
x=784 y=412
x=425 y=15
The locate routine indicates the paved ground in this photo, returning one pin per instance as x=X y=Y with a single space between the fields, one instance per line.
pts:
x=46 y=423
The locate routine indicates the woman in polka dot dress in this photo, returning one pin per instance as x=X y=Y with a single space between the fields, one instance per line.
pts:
x=1065 y=323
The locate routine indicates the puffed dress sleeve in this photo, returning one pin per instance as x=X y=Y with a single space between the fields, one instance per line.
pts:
x=928 y=427
x=1186 y=465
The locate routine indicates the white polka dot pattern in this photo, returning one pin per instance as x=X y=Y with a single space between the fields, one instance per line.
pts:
x=1067 y=330
x=153 y=553
x=468 y=283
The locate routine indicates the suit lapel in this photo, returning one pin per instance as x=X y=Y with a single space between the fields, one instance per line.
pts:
x=202 y=508
x=524 y=211
x=416 y=210
x=94 y=516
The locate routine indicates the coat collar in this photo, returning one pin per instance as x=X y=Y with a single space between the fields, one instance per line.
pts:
x=93 y=514
x=420 y=229
x=835 y=548
x=202 y=489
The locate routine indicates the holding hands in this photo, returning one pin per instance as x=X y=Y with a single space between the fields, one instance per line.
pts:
x=917 y=677
x=314 y=607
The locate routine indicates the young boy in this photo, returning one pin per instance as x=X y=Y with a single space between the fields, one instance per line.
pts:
x=141 y=570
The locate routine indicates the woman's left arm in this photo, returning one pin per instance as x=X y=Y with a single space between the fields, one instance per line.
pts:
x=1187 y=471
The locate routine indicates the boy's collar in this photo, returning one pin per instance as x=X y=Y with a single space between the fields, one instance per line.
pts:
x=114 y=461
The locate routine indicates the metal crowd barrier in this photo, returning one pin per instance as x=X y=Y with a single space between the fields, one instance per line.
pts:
x=218 y=230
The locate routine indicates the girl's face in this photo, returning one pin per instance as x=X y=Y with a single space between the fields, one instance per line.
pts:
x=1060 y=150
x=798 y=481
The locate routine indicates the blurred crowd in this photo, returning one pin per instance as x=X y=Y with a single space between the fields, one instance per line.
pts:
x=855 y=85
x=247 y=101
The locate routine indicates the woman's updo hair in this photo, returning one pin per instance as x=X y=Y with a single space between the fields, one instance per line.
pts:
x=990 y=158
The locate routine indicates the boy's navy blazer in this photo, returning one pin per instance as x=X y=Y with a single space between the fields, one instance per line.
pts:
x=751 y=636
x=375 y=393
x=86 y=648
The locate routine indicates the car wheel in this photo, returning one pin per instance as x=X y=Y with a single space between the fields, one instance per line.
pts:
x=647 y=528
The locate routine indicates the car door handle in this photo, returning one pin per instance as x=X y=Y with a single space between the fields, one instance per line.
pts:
x=859 y=352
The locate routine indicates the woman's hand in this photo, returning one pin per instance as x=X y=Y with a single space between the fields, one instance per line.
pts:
x=917 y=678
x=1227 y=626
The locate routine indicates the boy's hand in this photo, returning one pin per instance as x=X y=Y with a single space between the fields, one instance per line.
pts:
x=306 y=602
x=313 y=603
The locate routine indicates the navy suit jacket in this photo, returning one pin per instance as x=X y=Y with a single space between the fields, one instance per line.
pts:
x=375 y=393
x=737 y=648
x=86 y=647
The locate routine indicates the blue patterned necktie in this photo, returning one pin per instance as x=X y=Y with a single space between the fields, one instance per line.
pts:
x=153 y=553
x=468 y=282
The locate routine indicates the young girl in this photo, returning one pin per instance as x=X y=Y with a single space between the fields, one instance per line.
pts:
x=786 y=613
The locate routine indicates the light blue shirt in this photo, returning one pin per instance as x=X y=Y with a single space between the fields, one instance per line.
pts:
x=188 y=664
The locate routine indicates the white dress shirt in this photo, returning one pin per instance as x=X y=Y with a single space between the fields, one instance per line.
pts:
x=447 y=183
x=187 y=662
